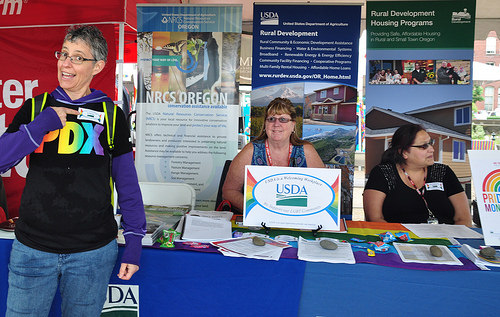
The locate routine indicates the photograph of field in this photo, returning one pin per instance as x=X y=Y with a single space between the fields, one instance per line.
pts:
x=335 y=143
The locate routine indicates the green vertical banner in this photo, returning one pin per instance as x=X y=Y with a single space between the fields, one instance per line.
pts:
x=420 y=25
x=188 y=94
x=419 y=66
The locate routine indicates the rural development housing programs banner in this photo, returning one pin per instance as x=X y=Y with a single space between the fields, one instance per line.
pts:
x=308 y=53
x=188 y=96
x=485 y=166
x=419 y=65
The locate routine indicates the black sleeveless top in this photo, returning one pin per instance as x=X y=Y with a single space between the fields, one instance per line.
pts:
x=404 y=205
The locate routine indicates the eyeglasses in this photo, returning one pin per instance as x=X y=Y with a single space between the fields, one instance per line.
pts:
x=62 y=56
x=280 y=119
x=424 y=146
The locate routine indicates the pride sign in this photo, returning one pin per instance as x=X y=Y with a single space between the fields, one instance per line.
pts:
x=485 y=167
x=491 y=182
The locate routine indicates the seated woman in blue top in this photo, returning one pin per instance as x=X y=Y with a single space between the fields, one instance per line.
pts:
x=276 y=145
x=408 y=187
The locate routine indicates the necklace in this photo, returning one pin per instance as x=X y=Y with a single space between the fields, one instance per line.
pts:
x=268 y=154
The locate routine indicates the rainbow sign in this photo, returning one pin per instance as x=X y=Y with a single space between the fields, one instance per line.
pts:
x=292 y=197
x=491 y=182
x=491 y=189
x=332 y=208
x=485 y=168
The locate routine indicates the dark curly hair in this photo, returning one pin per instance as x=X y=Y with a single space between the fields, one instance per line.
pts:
x=401 y=141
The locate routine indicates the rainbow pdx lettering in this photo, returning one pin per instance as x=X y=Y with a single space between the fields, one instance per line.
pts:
x=75 y=138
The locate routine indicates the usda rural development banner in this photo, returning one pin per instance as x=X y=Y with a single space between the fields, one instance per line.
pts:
x=188 y=94
x=309 y=54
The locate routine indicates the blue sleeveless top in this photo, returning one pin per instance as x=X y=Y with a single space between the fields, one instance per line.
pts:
x=297 y=158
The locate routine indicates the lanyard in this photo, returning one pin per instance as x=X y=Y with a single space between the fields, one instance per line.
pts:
x=268 y=154
x=431 y=218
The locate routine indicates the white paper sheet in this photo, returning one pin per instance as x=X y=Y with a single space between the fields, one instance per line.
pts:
x=312 y=251
x=420 y=253
x=212 y=214
x=205 y=229
x=7 y=234
x=473 y=255
x=244 y=247
x=424 y=230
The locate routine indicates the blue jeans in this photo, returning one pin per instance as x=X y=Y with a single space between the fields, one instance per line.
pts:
x=82 y=277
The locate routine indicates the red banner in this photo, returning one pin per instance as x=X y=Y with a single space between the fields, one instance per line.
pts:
x=29 y=68
x=56 y=12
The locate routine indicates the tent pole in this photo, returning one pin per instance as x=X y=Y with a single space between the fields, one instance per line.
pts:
x=119 y=83
x=119 y=62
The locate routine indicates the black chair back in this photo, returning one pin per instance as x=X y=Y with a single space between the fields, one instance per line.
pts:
x=221 y=182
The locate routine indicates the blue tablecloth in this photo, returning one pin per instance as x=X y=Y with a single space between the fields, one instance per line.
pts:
x=186 y=283
x=373 y=290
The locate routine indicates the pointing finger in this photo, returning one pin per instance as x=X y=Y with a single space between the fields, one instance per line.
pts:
x=71 y=111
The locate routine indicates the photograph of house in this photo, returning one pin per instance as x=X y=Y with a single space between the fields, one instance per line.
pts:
x=335 y=104
x=447 y=123
x=487 y=72
x=486 y=113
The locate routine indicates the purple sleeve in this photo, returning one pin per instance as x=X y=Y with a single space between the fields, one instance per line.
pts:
x=131 y=206
x=15 y=146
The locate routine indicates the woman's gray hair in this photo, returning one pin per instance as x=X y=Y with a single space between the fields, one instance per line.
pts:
x=92 y=36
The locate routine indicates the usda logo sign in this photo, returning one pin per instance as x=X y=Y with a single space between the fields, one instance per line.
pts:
x=121 y=301
x=293 y=194
x=292 y=197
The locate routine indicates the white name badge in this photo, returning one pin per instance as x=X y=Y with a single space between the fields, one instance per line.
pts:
x=91 y=115
x=434 y=186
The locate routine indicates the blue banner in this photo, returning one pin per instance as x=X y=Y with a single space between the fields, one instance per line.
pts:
x=297 y=43
x=187 y=95
x=308 y=53
x=192 y=18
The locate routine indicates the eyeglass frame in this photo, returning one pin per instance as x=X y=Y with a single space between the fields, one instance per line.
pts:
x=73 y=61
x=280 y=119
x=425 y=146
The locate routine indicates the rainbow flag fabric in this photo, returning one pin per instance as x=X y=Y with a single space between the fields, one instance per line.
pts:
x=482 y=145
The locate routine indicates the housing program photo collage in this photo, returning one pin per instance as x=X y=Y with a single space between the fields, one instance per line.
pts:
x=421 y=71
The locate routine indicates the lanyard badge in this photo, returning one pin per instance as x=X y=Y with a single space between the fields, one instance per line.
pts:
x=431 y=219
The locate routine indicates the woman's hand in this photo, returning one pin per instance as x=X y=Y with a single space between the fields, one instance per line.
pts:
x=127 y=270
x=63 y=112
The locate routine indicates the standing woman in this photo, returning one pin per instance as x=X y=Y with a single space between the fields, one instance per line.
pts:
x=66 y=231
x=276 y=145
x=408 y=187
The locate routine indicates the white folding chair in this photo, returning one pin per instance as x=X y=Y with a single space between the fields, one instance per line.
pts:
x=168 y=194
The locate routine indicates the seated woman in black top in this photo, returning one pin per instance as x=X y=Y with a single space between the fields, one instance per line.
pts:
x=408 y=187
